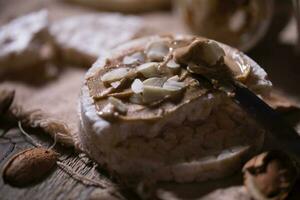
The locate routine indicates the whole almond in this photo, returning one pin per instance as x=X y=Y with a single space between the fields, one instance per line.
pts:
x=29 y=166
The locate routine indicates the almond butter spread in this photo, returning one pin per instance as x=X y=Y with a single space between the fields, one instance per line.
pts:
x=150 y=82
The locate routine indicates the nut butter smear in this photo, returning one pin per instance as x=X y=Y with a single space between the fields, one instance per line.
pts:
x=150 y=82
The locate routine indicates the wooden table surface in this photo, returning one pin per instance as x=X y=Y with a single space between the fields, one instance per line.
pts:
x=278 y=59
x=57 y=186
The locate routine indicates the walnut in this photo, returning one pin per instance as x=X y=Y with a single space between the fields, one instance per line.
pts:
x=270 y=175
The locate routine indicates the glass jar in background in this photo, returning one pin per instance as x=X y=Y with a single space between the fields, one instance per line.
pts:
x=239 y=23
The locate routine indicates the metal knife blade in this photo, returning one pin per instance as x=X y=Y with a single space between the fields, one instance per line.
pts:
x=285 y=137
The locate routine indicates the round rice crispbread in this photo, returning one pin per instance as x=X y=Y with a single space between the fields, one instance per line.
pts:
x=81 y=39
x=193 y=134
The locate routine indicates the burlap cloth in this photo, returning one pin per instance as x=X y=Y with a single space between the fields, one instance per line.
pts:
x=51 y=106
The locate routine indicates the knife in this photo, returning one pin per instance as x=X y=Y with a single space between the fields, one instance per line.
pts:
x=283 y=135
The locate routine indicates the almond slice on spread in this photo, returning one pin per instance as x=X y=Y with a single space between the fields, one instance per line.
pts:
x=173 y=85
x=148 y=69
x=137 y=86
x=115 y=84
x=173 y=65
x=157 y=51
x=136 y=99
x=115 y=75
x=155 y=82
x=174 y=78
x=134 y=58
x=154 y=93
x=118 y=104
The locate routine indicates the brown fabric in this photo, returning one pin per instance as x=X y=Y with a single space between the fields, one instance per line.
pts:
x=51 y=106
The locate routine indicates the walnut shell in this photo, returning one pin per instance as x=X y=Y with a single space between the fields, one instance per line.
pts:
x=29 y=166
x=270 y=175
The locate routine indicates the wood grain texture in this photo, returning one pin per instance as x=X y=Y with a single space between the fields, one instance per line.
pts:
x=58 y=185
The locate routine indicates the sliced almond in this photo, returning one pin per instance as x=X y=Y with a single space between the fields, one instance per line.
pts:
x=155 y=82
x=118 y=104
x=137 y=86
x=158 y=88
x=152 y=93
x=136 y=99
x=157 y=51
x=148 y=70
x=115 y=84
x=174 y=78
x=115 y=75
x=134 y=58
x=173 y=65
x=119 y=84
x=174 y=86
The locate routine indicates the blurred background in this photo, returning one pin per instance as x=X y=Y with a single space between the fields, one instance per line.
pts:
x=264 y=29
